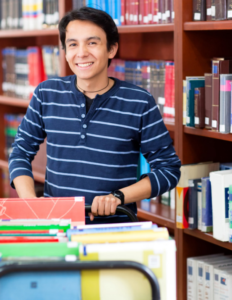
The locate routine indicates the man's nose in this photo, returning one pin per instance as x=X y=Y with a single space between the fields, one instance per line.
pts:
x=82 y=51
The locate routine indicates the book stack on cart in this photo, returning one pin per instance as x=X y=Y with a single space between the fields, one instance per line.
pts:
x=44 y=230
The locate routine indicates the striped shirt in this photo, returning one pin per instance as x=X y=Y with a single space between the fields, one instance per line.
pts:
x=95 y=153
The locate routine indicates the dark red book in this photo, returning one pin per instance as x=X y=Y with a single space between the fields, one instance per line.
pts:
x=150 y=21
x=199 y=107
x=220 y=9
x=146 y=11
x=136 y=12
x=229 y=9
x=208 y=10
x=160 y=9
x=168 y=11
x=141 y=11
x=123 y=12
x=218 y=67
x=208 y=100
x=199 y=10
x=154 y=11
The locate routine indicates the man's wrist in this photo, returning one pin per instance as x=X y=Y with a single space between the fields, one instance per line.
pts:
x=119 y=194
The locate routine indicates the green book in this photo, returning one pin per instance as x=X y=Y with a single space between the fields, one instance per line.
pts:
x=35 y=227
x=192 y=83
x=39 y=249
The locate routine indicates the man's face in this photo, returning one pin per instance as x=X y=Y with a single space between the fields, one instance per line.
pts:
x=86 y=49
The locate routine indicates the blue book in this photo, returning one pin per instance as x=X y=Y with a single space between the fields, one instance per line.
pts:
x=41 y=285
x=192 y=83
x=110 y=9
x=225 y=166
x=119 y=12
x=70 y=232
x=193 y=189
x=207 y=218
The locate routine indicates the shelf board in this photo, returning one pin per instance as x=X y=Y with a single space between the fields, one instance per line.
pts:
x=18 y=33
x=38 y=176
x=170 y=124
x=156 y=212
x=208 y=237
x=208 y=25
x=17 y=102
x=208 y=133
x=146 y=28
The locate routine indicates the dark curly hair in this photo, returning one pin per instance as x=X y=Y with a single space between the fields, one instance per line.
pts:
x=98 y=17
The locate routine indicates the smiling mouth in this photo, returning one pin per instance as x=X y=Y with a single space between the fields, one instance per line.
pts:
x=84 y=65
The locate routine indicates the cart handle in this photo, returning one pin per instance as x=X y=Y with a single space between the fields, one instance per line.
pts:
x=86 y=265
x=120 y=209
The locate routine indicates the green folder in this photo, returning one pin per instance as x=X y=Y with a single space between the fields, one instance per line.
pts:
x=39 y=249
x=35 y=227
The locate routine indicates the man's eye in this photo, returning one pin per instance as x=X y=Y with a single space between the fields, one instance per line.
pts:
x=92 y=43
x=72 y=45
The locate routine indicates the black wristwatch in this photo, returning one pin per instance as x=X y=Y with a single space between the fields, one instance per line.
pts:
x=118 y=194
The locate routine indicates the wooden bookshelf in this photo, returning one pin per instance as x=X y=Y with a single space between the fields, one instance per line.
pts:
x=16 y=102
x=156 y=212
x=209 y=25
x=28 y=33
x=208 y=133
x=208 y=237
x=146 y=28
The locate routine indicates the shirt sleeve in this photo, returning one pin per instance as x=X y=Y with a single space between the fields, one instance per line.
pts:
x=156 y=147
x=30 y=135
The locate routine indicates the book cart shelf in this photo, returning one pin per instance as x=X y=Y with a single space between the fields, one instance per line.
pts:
x=191 y=45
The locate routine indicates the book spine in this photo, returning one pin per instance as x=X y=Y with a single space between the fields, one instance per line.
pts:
x=225 y=103
x=199 y=107
x=208 y=10
x=199 y=10
x=220 y=9
x=213 y=10
x=146 y=11
x=229 y=9
x=123 y=7
x=215 y=95
x=136 y=12
x=199 y=205
x=208 y=101
x=160 y=4
x=207 y=224
x=184 y=102
x=196 y=108
x=192 y=219
x=168 y=12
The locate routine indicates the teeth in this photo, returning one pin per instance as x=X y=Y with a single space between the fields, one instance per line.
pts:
x=85 y=65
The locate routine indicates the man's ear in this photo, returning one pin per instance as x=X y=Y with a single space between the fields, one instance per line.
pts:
x=113 y=51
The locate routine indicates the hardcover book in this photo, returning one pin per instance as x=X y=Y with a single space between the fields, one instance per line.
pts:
x=192 y=220
x=225 y=103
x=207 y=221
x=208 y=10
x=44 y=208
x=208 y=101
x=213 y=10
x=199 y=107
x=184 y=101
x=199 y=10
x=220 y=9
x=218 y=67
x=229 y=9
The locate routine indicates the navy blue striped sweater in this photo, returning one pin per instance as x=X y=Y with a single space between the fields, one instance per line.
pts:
x=95 y=153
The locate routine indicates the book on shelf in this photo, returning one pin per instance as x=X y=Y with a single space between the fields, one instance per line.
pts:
x=225 y=103
x=159 y=256
x=208 y=10
x=192 y=83
x=220 y=10
x=208 y=100
x=199 y=107
x=219 y=66
x=193 y=215
x=199 y=205
x=207 y=220
x=184 y=101
x=213 y=10
x=225 y=166
x=199 y=10
x=220 y=182
x=182 y=190
x=229 y=9
x=169 y=106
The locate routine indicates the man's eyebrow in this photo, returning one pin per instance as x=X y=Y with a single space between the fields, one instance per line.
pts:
x=89 y=38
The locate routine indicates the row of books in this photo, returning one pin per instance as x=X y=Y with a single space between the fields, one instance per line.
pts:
x=156 y=76
x=212 y=10
x=207 y=99
x=24 y=69
x=51 y=238
x=203 y=199
x=130 y=12
x=209 y=277
x=28 y=14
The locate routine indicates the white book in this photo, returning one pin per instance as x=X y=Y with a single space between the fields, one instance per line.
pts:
x=209 y=274
x=192 y=274
x=225 y=281
x=218 y=271
x=220 y=181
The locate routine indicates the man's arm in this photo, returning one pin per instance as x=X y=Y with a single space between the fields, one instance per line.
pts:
x=24 y=186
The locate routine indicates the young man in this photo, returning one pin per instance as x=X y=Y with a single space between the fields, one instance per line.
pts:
x=95 y=127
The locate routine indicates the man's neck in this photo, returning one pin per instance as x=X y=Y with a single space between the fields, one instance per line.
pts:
x=91 y=89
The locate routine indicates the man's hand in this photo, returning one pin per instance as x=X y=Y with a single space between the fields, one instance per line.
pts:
x=104 y=206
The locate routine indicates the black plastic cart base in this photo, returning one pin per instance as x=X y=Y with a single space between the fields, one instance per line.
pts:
x=19 y=267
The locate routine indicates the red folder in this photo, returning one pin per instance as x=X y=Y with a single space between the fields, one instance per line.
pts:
x=44 y=208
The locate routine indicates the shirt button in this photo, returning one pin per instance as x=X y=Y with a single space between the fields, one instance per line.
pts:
x=83 y=115
x=82 y=136
x=84 y=126
x=82 y=105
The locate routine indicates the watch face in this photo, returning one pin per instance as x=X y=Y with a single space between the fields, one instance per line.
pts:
x=117 y=195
